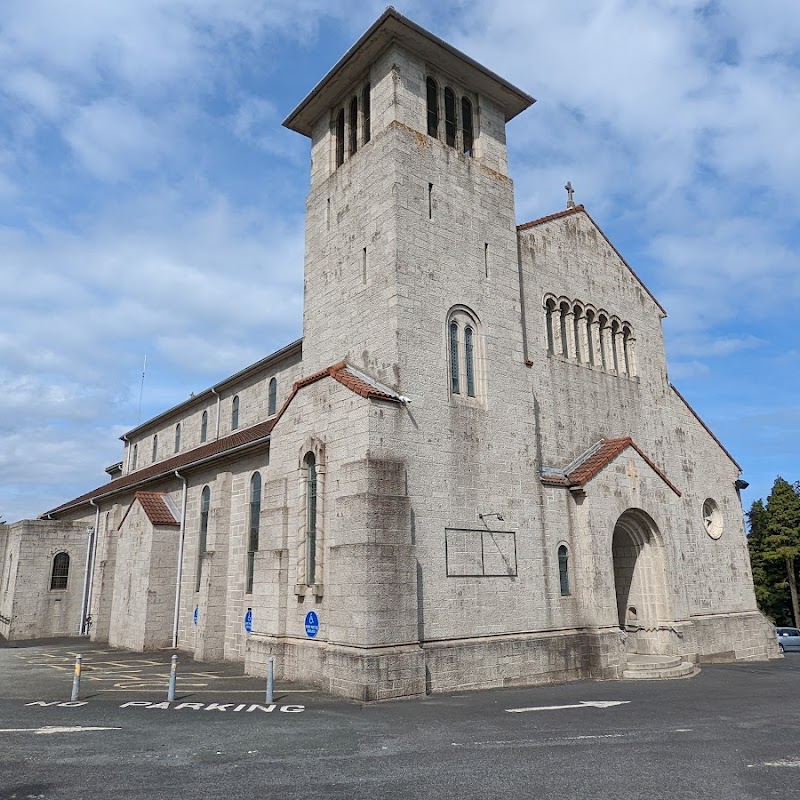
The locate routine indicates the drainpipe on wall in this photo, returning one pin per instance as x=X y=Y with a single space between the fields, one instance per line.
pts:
x=219 y=400
x=127 y=453
x=180 y=564
x=91 y=531
x=90 y=593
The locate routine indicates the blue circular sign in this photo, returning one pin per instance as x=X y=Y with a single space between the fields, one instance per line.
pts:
x=248 y=620
x=312 y=624
x=196 y=615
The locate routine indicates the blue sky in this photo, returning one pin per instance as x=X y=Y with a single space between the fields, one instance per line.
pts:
x=152 y=205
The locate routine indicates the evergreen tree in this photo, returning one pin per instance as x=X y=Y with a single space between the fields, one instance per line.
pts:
x=782 y=542
x=769 y=576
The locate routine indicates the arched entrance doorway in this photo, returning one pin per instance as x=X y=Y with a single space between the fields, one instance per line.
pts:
x=639 y=581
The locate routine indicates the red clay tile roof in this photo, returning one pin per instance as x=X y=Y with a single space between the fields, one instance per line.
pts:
x=580 y=209
x=155 y=505
x=595 y=459
x=254 y=436
x=707 y=429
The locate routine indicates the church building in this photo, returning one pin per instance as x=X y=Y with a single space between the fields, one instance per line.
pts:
x=471 y=471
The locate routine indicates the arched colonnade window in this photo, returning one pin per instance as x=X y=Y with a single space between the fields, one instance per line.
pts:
x=579 y=332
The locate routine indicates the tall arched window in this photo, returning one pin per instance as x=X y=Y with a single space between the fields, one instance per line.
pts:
x=366 y=114
x=603 y=330
x=455 y=382
x=135 y=459
x=202 y=538
x=353 y=125
x=550 y=310
x=564 y=309
x=235 y=413
x=467 y=130
x=253 y=528
x=340 y=138
x=615 y=344
x=272 y=402
x=204 y=426
x=590 y=338
x=178 y=437
x=155 y=448
x=463 y=357
x=60 y=573
x=577 y=327
x=432 y=91
x=469 y=361
x=311 y=518
x=450 y=124
x=563 y=569
x=627 y=350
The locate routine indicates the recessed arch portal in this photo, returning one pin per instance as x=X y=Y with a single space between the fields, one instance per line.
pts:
x=639 y=580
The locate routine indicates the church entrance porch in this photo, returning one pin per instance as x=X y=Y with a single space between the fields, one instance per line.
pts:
x=639 y=581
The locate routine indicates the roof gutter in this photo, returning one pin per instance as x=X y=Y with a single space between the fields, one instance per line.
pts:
x=191 y=465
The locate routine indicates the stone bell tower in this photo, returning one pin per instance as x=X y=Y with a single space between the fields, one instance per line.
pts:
x=410 y=209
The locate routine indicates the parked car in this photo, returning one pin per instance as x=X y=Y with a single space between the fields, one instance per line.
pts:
x=788 y=639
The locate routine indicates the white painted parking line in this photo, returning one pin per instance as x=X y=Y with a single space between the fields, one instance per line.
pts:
x=57 y=729
x=582 y=704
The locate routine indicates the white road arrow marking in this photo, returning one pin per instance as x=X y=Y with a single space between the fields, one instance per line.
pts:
x=56 y=729
x=582 y=704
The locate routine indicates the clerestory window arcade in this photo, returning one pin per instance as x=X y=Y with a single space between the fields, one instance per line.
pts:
x=579 y=332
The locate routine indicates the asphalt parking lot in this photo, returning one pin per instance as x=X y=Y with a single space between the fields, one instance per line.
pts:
x=729 y=733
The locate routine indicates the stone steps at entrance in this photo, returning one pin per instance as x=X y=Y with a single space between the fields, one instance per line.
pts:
x=651 y=667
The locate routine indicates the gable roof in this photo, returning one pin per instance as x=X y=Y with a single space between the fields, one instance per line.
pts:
x=157 y=507
x=393 y=26
x=579 y=209
x=247 y=438
x=592 y=461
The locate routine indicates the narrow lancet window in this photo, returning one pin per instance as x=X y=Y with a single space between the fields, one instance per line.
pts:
x=204 y=426
x=455 y=384
x=365 y=110
x=450 y=116
x=353 y=125
x=563 y=569
x=576 y=326
x=155 y=448
x=469 y=361
x=548 y=320
x=433 y=107
x=615 y=344
x=135 y=460
x=202 y=539
x=590 y=344
x=311 y=518
x=235 y=413
x=603 y=330
x=340 y=138
x=466 y=126
x=563 y=321
x=178 y=437
x=272 y=402
x=252 y=540
x=626 y=350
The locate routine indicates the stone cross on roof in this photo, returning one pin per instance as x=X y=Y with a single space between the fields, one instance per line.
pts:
x=570 y=201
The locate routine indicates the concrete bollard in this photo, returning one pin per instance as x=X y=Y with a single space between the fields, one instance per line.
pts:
x=173 y=676
x=270 y=678
x=76 y=680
